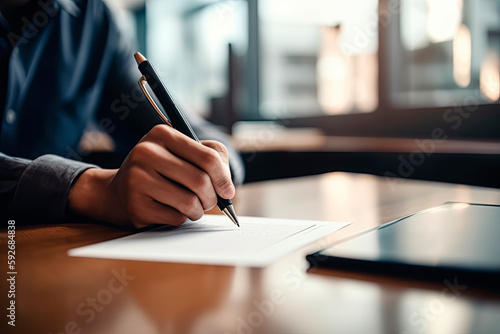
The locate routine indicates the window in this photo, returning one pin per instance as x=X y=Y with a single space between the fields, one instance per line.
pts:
x=318 y=57
x=188 y=43
x=447 y=52
x=357 y=61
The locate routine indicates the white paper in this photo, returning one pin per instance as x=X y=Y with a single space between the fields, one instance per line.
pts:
x=215 y=240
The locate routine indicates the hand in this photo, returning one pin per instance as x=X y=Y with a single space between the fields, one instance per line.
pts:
x=166 y=178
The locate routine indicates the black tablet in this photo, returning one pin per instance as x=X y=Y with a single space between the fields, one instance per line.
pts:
x=454 y=241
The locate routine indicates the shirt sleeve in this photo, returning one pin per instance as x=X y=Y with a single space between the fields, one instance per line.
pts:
x=37 y=188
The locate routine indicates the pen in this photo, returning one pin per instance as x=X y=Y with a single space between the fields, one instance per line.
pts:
x=175 y=118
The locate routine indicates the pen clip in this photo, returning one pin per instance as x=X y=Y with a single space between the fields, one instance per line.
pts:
x=142 y=84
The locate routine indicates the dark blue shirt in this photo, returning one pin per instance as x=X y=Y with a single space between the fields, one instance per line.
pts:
x=68 y=66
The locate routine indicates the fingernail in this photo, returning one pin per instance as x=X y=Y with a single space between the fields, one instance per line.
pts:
x=228 y=192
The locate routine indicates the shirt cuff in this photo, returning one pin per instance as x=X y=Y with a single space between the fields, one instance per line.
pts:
x=44 y=187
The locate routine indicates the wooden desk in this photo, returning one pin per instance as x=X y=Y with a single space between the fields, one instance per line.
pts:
x=54 y=290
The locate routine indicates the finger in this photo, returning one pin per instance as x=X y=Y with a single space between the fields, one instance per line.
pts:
x=177 y=197
x=152 y=212
x=219 y=147
x=201 y=156
x=181 y=172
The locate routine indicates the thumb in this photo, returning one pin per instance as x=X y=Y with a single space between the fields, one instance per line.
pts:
x=222 y=180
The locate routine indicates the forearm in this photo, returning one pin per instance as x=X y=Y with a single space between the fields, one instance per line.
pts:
x=37 y=189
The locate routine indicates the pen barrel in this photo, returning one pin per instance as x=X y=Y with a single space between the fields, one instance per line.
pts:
x=174 y=113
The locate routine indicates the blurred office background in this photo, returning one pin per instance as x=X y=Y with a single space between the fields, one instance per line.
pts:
x=261 y=69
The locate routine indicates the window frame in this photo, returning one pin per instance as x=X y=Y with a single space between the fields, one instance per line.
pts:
x=481 y=121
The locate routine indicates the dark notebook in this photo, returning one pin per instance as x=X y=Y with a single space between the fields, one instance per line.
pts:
x=454 y=241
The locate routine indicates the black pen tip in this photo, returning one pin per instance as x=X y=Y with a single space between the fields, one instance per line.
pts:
x=229 y=212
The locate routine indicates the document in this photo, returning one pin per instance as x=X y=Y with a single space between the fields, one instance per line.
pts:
x=215 y=240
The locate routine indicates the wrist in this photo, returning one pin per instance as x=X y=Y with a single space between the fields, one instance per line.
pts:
x=89 y=195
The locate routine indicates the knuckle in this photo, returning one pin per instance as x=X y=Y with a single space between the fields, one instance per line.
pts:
x=221 y=148
x=214 y=144
x=190 y=201
x=211 y=158
x=190 y=206
x=167 y=132
x=159 y=130
x=160 y=133
x=177 y=219
x=134 y=156
x=197 y=215
x=218 y=147
x=212 y=202
x=141 y=152
x=202 y=180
